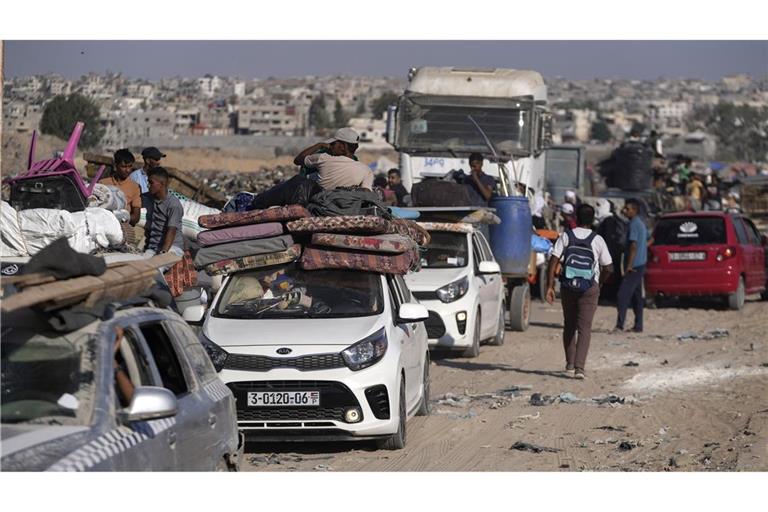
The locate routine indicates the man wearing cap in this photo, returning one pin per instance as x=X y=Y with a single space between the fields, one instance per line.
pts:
x=152 y=157
x=337 y=168
x=567 y=217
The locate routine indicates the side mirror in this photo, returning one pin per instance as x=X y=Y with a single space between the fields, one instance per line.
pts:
x=411 y=312
x=149 y=403
x=194 y=314
x=489 y=267
x=391 y=127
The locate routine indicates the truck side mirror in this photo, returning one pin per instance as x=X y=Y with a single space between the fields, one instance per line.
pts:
x=391 y=125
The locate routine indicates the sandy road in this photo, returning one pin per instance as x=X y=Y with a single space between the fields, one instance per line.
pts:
x=689 y=405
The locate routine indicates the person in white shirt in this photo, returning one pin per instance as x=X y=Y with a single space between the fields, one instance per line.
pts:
x=337 y=168
x=579 y=307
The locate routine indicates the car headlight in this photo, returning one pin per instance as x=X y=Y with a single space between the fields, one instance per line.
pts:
x=217 y=354
x=366 y=352
x=453 y=291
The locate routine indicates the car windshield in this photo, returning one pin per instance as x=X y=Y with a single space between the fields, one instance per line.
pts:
x=433 y=127
x=289 y=292
x=47 y=377
x=690 y=231
x=446 y=250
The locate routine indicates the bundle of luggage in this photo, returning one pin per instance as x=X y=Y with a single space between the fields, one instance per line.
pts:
x=236 y=241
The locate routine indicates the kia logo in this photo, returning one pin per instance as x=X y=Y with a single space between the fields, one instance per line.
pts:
x=283 y=351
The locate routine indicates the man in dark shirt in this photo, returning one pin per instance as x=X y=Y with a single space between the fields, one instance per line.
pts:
x=481 y=185
x=396 y=186
x=164 y=215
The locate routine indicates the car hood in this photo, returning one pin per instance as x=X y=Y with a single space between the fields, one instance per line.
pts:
x=37 y=447
x=227 y=332
x=432 y=279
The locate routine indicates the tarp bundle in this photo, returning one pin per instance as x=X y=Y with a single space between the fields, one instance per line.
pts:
x=27 y=232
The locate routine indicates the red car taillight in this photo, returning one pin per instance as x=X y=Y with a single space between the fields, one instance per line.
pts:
x=729 y=252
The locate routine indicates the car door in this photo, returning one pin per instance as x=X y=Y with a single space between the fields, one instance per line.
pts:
x=485 y=287
x=188 y=434
x=495 y=279
x=760 y=257
x=217 y=399
x=747 y=251
x=406 y=333
x=142 y=445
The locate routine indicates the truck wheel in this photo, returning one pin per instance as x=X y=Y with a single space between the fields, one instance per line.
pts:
x=543 y=283
x=736 y=300
x=519 y=307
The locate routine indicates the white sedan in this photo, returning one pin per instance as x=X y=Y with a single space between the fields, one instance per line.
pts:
x=461 y=285
x=321 y=354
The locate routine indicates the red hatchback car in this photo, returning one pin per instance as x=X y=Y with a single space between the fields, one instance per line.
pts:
x=706 y=253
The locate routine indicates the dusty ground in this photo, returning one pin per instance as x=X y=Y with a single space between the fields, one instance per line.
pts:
x=689 y=405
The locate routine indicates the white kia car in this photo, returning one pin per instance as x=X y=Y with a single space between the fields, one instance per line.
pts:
x=320 y=354
x=460 y=283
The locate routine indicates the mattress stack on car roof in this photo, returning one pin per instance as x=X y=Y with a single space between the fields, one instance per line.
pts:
x=259 y=238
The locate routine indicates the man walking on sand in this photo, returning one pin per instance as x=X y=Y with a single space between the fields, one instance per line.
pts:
x=631 y=288
x=585 y=265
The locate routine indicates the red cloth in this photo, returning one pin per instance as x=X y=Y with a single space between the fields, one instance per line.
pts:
x=182 y=275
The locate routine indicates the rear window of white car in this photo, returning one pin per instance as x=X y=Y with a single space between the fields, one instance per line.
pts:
x=287 y=292
x=446 y=250
x=690 y=231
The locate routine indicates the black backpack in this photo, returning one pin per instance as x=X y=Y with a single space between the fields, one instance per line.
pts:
x=578 y=272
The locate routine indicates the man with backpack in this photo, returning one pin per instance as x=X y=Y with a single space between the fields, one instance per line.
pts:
x=585 y=265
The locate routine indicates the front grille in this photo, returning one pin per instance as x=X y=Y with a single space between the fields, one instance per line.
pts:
x=435 y=326
x=378 y=400
x=335 y=398
x=288 y=414
x=266 y=363
x=425 y=295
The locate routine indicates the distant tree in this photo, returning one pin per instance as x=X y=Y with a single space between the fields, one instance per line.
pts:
x=63 y=112
x=741 y=130
x=600 y=131
x=382 y=102
x=318 y=116
x=340 y=116
x=360 y=106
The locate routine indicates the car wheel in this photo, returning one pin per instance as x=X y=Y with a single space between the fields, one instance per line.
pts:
x=423 y=409
x=519 y=307
x=397 y=440
x=764 y=295
x=736 y=300
x=474 y=349
x=498 y=340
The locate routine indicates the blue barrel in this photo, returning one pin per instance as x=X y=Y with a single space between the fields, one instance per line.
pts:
x=511 y=240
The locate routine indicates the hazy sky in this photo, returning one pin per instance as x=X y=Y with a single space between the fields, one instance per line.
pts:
x=260 y=59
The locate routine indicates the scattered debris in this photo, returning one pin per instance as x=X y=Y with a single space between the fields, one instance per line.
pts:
x=709 y=335
x=614 y=399
x=665 y=362
x=568 y=398
x=528 y=447
x=611 y=428
x=687 y=335
x=269 y=459
x=631 y=363
x=625 y=446
x=530 y=416
x=322 y=467
x=764 y=365
x=565 y=466
x=713 y=444
x=539 y=400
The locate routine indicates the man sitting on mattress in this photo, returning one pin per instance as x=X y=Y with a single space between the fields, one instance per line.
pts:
x=337 y=168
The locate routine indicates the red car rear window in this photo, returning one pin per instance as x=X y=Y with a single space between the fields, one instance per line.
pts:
x=690 y=231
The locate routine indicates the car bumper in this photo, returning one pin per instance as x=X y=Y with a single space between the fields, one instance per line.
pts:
x=340 y=389
x=708 y=281
x=450 y=336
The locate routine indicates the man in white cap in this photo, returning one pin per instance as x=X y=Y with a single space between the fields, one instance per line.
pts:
x=337 y=168
x=567 y=216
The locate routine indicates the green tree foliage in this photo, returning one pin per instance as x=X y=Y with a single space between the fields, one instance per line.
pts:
x=340 y=116
x=600 y=131
x=63 y=112
x=741 y=130
x=318 y=116
x=382 y=102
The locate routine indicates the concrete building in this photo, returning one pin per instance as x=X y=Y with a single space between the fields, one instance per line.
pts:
x=209 y=85
x=270 y=119
x=21 y=117
x=372 y=132
x=122 y=127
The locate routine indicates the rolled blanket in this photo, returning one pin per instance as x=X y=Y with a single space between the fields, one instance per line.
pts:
x=453 y=227
x=395 y=244
x=315 y=258
x=249 y=232
x=278 y=214
x=352 y=224
x=256 y=261
x=214 y=253
x=411 y=229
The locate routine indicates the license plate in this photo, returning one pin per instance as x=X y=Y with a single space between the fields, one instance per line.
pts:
x=283 y=399
x=687 y=256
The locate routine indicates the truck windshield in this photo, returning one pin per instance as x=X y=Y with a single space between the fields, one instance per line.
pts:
x=427 y=127
x=445 y=250
x=286 y=291
x=47 y=377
